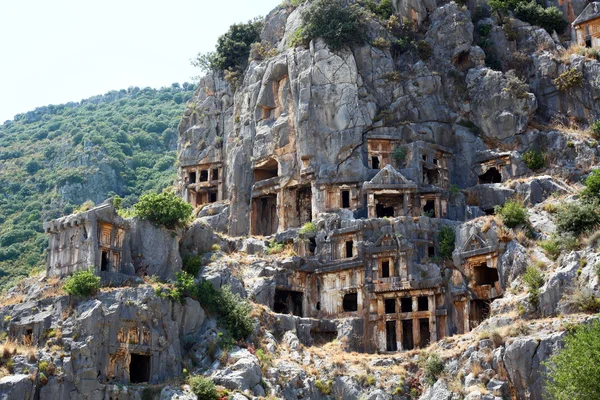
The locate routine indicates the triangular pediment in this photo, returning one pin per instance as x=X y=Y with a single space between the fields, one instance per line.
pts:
x=390 y=176
x=475 y=242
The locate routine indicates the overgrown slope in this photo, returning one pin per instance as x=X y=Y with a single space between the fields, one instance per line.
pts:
x=57 y=157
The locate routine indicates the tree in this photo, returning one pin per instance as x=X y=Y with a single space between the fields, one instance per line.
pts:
x=592 y=185
x=338 y=25
x=164 y=209
x=573 y=372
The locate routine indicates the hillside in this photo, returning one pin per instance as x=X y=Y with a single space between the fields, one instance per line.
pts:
x=375 y=199
x=55 y=158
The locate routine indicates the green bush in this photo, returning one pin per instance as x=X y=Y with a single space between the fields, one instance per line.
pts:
x=192 y=264
x=234 y=312
x=572 y=373
x=446 y=240
x=203 y=387
x=551 y=247
x=339 y=26
x=512 y=214
x=325 y=388
x=577 y=218
x=533 y=280
x=233 y=48
x=571 y=78
x=308 y=228
x=595 y=128
x=592 y=185
x=551 y=18
x=434 y=367
x=399 y=155
x=164 y=209
x=82 y=283
x=274 y=247
x=383 y=10
x=534 y=159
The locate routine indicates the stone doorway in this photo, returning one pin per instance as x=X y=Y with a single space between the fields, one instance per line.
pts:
x=479 y=311
x=288 y=301
x=492 y=175
x=139 y=368
x=424 y=334
x=391 y=343
x=264 y=215
x=104 y=262
x=408 y=342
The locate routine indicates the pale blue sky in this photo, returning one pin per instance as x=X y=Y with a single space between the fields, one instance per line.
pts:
x=57 y=51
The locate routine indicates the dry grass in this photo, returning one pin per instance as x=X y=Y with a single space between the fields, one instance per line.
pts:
x=15 y=299
x=589 y=53
x=505 y=234
x=12 y=347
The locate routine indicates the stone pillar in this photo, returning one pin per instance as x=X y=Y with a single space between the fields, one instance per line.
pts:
x=405 y=204
x=371 y=205
x=432 y=319
x=415 y=320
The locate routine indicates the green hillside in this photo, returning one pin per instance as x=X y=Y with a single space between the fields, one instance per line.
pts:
x=55 y=158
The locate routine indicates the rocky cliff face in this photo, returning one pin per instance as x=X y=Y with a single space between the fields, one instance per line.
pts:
x=327 y=186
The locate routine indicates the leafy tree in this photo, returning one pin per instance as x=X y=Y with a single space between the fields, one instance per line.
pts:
x=338 y=25
x=572 y=373
x=165 y=209
x=82 y=283
x=233 y=48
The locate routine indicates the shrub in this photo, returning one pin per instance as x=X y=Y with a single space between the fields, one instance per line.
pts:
x=325 y=388
x=399 y=155
x=233 y=48
x=274 y=248
x=533 y=159
x=233 y=310
x=551 y=247
x=434 y=367
x=381 y=43
x=585 y=300
x=339 y=26
x=203 y=387
x=577 y=218
x=595 y=128
x=308 y=228
x=592 y=185
x=516 y=85
x=512 y=214
x=571 y=78
x=82 y=283
x=533 y=280
x=446 y=238
x=383 y=10
x=164 y=209
x=551 y=18
x=192 y=264
x=572 y=372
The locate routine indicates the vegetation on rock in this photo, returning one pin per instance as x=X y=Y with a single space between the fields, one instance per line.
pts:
x=446 y=239
x=164 y=208
x=577 y=218
x=572 y=373
x=512 y=214
x=57 y=157
x=203 y=387
x=569 y=79
x=82 y=283
x=337 y=25
x=534 y=159
x=533 y=280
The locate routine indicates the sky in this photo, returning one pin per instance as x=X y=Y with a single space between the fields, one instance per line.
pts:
x=53 y=52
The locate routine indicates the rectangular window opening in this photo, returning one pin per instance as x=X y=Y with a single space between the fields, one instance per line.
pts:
x=423 y=303
x=349 y=249
x=385 y=269
x=345 y=199
x=390 y=306
x=406 y=304
x=204 y=176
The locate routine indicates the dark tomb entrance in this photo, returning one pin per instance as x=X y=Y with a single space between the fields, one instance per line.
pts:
x=139 y=368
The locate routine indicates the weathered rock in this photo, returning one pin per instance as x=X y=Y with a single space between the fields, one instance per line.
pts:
x=243 y=374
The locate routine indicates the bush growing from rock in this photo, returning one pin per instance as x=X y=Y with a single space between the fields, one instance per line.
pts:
x=434 y=367
x=203 y=387
x=571 y=78
x=383 y=10
x=572 y=373
x=592 y=185
x=577 y=218
x=512 y=214
x=339 y=26
x=82 y=283
x=325 y=388
x=533 y=280
x=446 y=240
x=308 y=228
x=192 y=264
x=164 y=209
x=533 y=159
